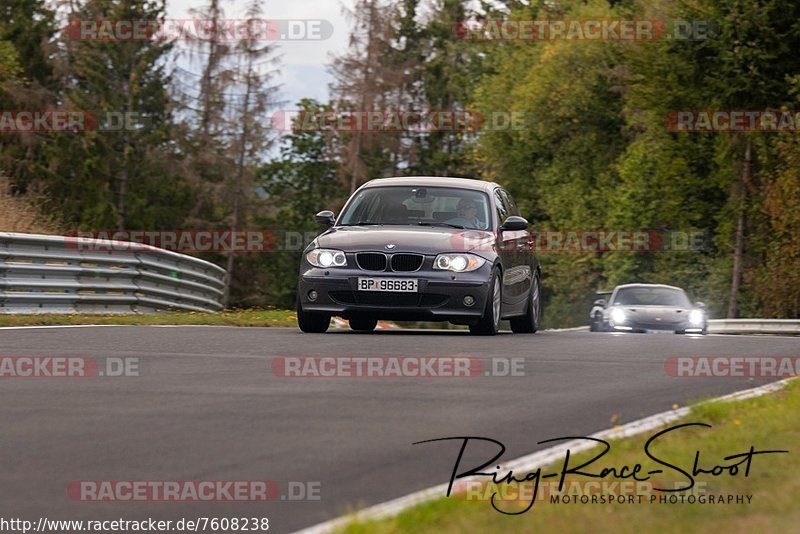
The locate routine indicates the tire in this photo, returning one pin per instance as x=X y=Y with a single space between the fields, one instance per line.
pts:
x=312 y=323
x=363 y=324
x=529 y=323
x=489 y=323
x=596 y=324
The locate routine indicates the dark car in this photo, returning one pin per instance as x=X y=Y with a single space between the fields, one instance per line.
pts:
x=651 y=307
x=422 y=249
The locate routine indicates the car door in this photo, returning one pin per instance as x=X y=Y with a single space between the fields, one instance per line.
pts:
x=523 y=266
x=507 y=250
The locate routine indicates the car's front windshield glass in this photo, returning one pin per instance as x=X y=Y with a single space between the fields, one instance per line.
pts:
x=418 y=206
x=651 y=296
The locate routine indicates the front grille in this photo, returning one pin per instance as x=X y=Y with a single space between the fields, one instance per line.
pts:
x=342 y=297
x=371 y=261
x=388 y=300
x=656 y=325
x=407 y=262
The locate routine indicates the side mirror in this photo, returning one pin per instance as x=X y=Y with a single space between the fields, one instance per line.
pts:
x=701 y=305
x=600 y=302
x=514 y=224
x=325 y=217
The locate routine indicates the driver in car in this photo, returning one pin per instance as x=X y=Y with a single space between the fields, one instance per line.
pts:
x=467 y=212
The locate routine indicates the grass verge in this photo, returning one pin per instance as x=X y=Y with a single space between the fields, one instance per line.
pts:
x=251 y=317
x=769 y=422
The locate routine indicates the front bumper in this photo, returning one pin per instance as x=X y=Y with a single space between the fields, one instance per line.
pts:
x=440 y=295
x=638 y=326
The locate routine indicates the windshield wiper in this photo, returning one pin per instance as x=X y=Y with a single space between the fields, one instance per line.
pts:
x=448 y=225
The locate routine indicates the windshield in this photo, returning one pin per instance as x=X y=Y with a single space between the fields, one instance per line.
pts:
x=418 y=205
x=651 y=296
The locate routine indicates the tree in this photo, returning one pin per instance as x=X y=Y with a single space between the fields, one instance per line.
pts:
x=561 y=165
x=301 y=182
x=450 y=70
x=252 y=139
x=27 y=56
x=756 y=55
x=116 y=175
x=203 y=103
x=360 y=83
x=777 y=280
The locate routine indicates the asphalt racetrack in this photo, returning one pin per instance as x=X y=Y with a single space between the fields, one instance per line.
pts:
x=207 y=405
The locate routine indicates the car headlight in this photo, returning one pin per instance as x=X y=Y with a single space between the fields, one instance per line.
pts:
x=325 y=257
x=696 y=317
x=618 y=316
x=460 y=263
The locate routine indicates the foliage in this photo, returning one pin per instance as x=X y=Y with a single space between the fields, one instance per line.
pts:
x=593 y=151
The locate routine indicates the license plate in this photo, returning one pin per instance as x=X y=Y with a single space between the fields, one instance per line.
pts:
x=393 y=285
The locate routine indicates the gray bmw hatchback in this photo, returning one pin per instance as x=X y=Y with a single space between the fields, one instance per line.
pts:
x=422 y=249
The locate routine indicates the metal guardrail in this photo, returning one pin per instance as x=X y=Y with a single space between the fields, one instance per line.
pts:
x=754 y=326
x=54 y=274
x=786 y=327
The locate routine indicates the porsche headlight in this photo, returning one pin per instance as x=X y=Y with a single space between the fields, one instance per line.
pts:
x=460 y=263
x=696 y=317
x=618 y=316
x=325 y=257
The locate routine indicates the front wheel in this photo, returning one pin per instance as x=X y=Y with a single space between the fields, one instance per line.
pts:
x=489 y=323
x=596 y=324
x=529 y=323
x=312 y=323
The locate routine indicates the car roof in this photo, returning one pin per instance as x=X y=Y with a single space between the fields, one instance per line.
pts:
x=646 y=285
x=432 y=181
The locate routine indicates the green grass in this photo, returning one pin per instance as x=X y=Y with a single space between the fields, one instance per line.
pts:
x=250 y=317
x=768 y=422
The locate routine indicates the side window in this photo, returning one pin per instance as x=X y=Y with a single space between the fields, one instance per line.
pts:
x=502 y=207
x=512 y=206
